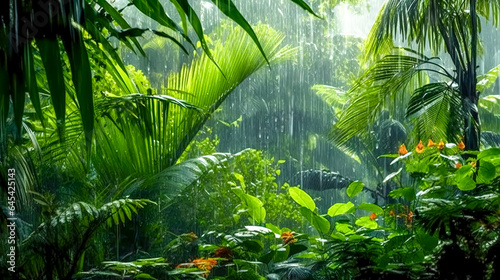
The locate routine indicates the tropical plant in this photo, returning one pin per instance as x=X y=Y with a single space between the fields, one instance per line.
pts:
x=47 y=24
x=446 y=109
x=57 y=247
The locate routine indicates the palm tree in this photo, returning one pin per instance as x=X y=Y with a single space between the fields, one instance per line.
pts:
x=31 y=29
x=448 y=108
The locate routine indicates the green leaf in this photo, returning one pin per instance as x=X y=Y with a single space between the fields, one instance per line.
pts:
x=371 y=207
x=302 y=198
x=464 y=171
x=274 y=228
x=154 y=10
x=408 y=193
x=31 y=83
x=51 y=58
x=344 y=228
x=82 y=80
x=229 y=9
x=305 y=6
x=340 y=209
x=491 y=152
x=320 y=223
x=197 y=27
x=487 y=172
x=367 y=223
x=354 y=188
x=255 y=208
x=466 y=184
x=488 y=79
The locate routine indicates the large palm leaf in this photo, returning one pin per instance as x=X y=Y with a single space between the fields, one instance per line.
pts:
x=60 y=23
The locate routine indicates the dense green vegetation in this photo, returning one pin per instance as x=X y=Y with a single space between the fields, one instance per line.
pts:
x=148 y=139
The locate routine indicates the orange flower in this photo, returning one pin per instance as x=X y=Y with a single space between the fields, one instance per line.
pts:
x=473 y=163
x=461 y=145
x=373 y=216
x=420 y=147
x=409 y=218
x=288 y=237
x=430 y=144
x=224 y=252
x=204 y=264
x=392 y=213
x=458 y=165
x=441 y=145
x=402 y=150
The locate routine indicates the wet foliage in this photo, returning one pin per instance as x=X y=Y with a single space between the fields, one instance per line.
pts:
x=279 y=140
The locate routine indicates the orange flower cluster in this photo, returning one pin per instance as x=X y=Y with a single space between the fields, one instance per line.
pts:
x=288 y=237
x=458 y=165
x=373 y=216
x=420 y=147
x=201 y=263
x=204 y=264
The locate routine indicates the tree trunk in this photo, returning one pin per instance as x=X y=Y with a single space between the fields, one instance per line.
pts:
x=470 y=96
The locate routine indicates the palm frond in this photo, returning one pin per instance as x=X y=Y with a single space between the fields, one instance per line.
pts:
x=392 y=77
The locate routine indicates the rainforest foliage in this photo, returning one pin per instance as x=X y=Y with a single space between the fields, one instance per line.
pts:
x=220 y=139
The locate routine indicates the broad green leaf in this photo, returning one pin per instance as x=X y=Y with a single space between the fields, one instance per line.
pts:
x=462 y=172
x=320 y=223
x=407 y=193
x=367 y=223
x=281 y=254
x=255 y=208
x=491 y=103
x=344 y=228
x=302 y=198
x=354 y=188
x=491 y=152
x=340 y=209
x=466 y=184
x=488 y=79
x=487 y=172
x=371 y=207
